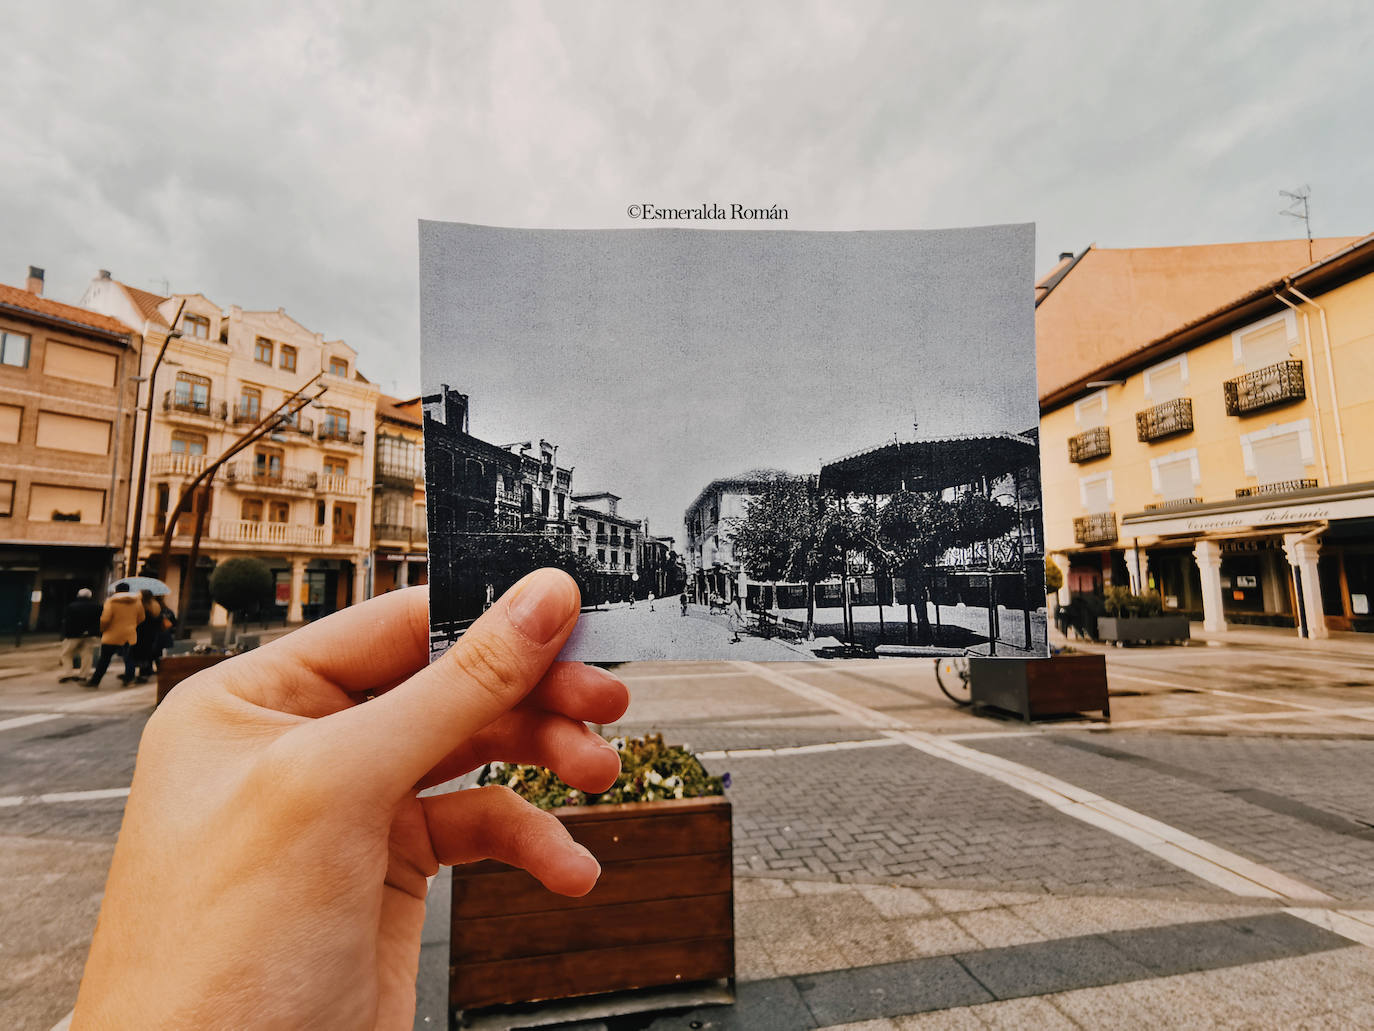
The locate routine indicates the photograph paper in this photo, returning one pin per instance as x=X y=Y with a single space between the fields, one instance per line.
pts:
x=759 y=445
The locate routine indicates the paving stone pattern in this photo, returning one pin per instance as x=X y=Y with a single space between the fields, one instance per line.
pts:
x=1201 y=797
x=898 y=816
x=75 y=753
x=713 y=738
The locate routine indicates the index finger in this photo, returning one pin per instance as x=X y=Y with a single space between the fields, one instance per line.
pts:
x=404 y=733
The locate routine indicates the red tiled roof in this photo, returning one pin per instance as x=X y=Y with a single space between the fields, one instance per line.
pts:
x=397 y=410
x=145 y=302
x=14 y=297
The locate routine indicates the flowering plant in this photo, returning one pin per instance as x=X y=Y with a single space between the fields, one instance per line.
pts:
x=650 y=770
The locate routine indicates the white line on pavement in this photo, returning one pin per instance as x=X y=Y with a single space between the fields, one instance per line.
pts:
x=7 y=801
x=829 y=746
x=1220 y=867
x=24 y=721
x=1356 y=925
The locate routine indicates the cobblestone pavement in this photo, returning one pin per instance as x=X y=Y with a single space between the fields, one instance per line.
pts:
x=1304 y=808
x=851 y=858
x=665 y=634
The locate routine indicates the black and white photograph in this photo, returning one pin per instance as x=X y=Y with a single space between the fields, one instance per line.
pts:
x=750 y=444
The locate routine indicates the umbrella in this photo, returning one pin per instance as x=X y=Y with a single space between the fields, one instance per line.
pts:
x=143 y=583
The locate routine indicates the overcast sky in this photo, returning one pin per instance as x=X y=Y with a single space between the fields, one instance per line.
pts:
x=281 y=155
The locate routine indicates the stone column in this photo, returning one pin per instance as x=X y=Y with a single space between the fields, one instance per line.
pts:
x=361 y=564
x=1302 y=556
x=1207 y=554
x=403 y=573
x=294 y=613
x=1133 y=571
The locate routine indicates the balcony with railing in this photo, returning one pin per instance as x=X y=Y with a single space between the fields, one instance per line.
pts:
x=602 y=538
x=398 y=533
x=1269 y=387
x=1280 y=487
x=176 y=463
x=1165 y=420
x=1098 y=528
x=178 y=405
x=1164 y=506
x=332 y=433
x=250 y=531
x=333 y=483
x=399 y=474
x=253 y=477
x=1090 y=444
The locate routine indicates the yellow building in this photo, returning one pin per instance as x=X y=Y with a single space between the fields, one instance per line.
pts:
x=300 y=498
x=1206 y=423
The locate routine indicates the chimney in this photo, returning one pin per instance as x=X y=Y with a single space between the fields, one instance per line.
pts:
x=35 y=281
x=1066 y=255
x=455 y=410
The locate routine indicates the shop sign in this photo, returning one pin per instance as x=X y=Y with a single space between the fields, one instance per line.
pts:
x=1254 y=518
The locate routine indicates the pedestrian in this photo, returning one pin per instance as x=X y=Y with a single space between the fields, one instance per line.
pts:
x=274 y=857
x=734 y=619
x=166 y=634
x=682 y=600
x=490 y=597
x=138 y=667
x=80 y=636
x=119 y=620
x=651 y=601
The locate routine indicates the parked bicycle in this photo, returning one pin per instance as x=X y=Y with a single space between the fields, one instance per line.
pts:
x=952 y=674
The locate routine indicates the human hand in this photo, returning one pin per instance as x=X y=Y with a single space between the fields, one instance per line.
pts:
x=272 y=866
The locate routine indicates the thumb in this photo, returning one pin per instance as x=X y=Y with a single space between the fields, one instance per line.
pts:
x=404 y=733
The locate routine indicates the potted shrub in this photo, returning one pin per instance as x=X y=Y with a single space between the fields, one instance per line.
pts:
x=662 y=913
x=1138 y=618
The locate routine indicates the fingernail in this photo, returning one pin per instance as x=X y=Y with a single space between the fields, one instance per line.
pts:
x=584 y=852
x=541 y=603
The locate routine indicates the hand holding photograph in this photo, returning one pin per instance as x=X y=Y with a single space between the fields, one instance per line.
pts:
x=756 y=445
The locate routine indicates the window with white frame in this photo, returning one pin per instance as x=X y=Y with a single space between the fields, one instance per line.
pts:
x=1266 y=342
x=1278 y=453
x=1095 y=492
x=1091 y=411
x=1167 y=380
x=1176 y=476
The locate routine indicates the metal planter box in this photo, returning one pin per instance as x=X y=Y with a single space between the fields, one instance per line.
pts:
x=661 y=914
x=173 y=669
x=1142 y=629
x=1060 y=685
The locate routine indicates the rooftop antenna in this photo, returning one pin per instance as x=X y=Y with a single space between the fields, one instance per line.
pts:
x=1298 y=208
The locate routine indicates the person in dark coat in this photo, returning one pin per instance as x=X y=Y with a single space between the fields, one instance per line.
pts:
x=138 y=666
x=80 y=635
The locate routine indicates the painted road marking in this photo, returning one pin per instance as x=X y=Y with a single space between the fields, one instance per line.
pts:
x=1218 y=866
x=32 y=718
x=7 y=801
x=829 y=746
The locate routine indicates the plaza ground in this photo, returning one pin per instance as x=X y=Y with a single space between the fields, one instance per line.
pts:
x=1206 y=859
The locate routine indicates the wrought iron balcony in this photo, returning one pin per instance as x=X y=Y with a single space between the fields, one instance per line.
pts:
x=1165 y=420
x=1090 y=444
x=341 y=434
x=1159 y=506
x=247 y=474
x=1281 y=487
x=1269 y=387
x=185 y=404
x=1098 y=528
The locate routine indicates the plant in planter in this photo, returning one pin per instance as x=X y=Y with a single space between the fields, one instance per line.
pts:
x=239 y=584
x=1138 y=618
x=661 y=915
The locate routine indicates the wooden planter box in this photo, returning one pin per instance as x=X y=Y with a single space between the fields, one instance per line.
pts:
x=173 y=669
x=661 y=914
x=1060 y=685
x=1143 y=629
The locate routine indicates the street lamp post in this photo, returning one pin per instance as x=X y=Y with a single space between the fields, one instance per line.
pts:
x=172 y=333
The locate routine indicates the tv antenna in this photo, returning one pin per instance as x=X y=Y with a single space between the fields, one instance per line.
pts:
x=1299 y=208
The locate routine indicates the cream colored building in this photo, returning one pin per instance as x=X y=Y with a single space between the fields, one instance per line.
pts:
x=300 y=498
x=1211 y=441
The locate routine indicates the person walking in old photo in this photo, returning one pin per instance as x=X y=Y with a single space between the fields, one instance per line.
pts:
x=119 y=620
x=734 y=619
x=80 y=636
